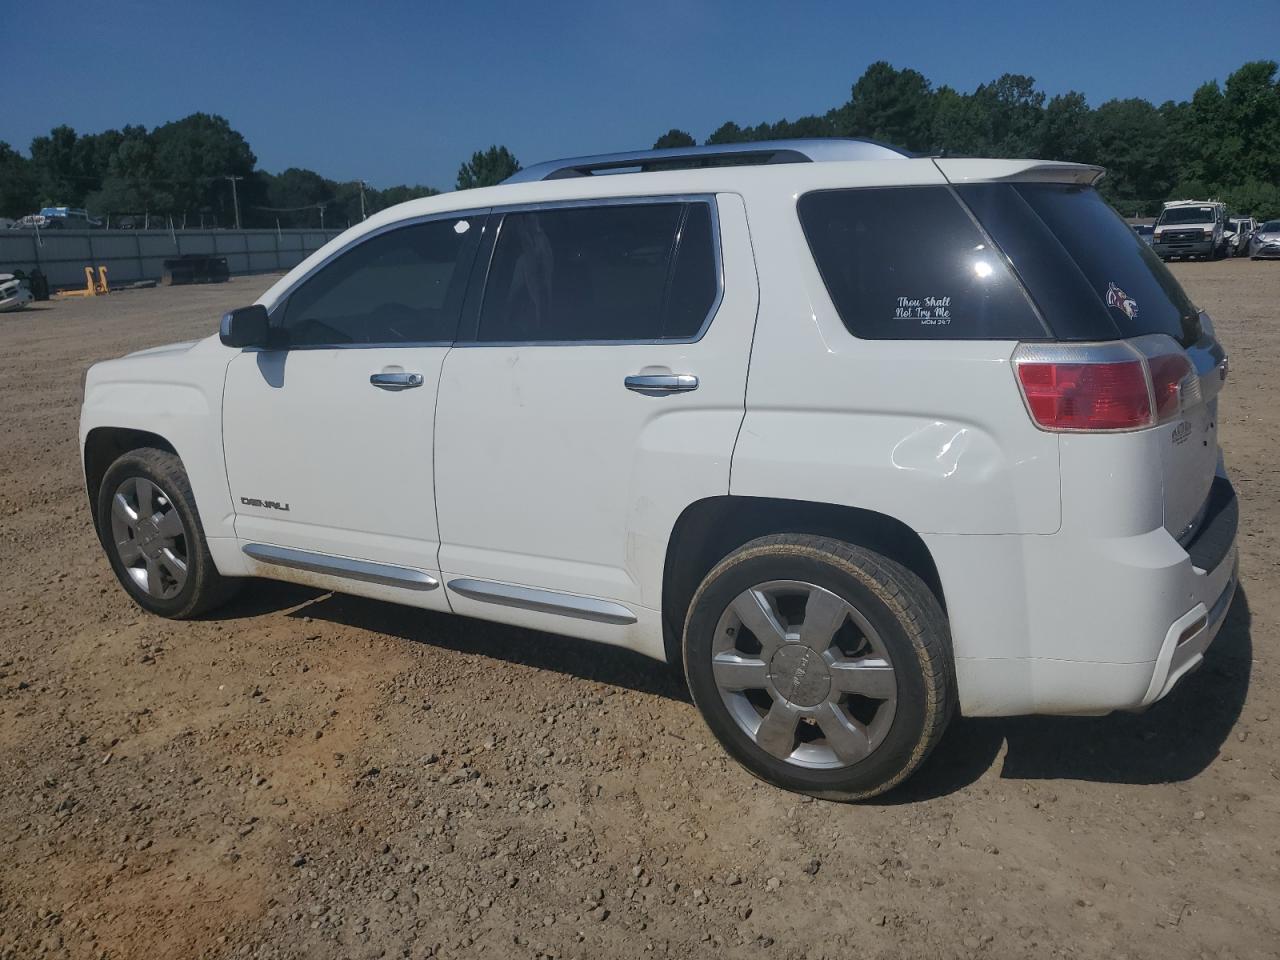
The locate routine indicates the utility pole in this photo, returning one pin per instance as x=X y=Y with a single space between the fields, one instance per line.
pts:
x=322 y=205
x=235 y=200
x=363 y=215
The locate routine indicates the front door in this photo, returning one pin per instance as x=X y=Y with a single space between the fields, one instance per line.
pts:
x=328 y=439
x=599 y=394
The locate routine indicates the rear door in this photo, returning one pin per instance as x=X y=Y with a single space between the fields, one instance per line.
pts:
x=599 y=393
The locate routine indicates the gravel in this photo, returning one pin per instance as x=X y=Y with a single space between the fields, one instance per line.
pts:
x=308 y=775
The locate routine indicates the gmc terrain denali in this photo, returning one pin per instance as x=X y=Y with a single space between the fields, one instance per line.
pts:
x=856 y=439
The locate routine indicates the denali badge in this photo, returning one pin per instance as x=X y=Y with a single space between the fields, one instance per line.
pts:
x=265 y=504
x=1180 y=433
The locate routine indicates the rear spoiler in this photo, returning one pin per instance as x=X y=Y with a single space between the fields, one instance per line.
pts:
x=1035 y=171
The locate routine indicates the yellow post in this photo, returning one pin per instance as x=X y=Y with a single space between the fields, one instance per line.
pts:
x=103 y=286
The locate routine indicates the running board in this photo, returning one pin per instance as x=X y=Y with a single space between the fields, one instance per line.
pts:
x=344 y=567
x=543 y=601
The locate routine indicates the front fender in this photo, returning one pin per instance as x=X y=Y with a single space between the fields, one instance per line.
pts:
x=177 y=395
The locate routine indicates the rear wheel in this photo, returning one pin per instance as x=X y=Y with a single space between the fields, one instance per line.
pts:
x=822 y=667
x=148 y=524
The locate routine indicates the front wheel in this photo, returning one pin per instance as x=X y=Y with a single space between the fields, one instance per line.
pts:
x=147 y=522
x=821 y=666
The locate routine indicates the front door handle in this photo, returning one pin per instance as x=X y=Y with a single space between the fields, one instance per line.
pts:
x=660 y=383
x=396 y=381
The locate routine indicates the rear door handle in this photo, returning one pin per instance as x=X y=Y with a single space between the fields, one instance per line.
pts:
x=660 y=383
x=396 y=381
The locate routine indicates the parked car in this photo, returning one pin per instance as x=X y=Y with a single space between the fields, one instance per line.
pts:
x=1145 y=231
x=1191 y=228
x=1239 y=232
x=1266 y=242
x=59 y=218
x=850 y=477
x=13 y=295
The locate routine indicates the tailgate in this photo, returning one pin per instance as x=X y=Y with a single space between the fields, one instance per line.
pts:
x=1190 y=443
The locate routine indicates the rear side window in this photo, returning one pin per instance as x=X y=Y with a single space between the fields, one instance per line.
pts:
x=910 y=263
x=1091 y=276
x=402 y=286
x=615 y=272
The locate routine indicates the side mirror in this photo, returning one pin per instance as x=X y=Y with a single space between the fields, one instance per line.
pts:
x=245 y=327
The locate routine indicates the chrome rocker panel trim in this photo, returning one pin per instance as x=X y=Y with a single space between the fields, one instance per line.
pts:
x=345 y=567
x=544 y=601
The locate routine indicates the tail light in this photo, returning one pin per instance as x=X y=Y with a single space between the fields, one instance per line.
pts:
x=1121 y=385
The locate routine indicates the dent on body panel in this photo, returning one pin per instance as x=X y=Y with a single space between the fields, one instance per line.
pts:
x=935 y=475
x=938 y=448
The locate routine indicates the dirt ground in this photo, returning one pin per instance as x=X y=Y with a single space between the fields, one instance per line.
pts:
x=311 y=775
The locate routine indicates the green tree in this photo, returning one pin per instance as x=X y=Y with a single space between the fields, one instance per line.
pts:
x=888 y=104
x=400 y=194
x=1010 y=110
x=194 y=156
x=1067 y=131
x=1254 y=197
x=674 y=138
x=17 y=183
x=958 y=128
x=728 y=132
x=487 y=168
x=1251 y=109
x=131 y=183
x=59 y=178
x=1132 y=145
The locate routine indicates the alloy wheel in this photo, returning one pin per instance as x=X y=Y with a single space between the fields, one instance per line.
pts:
x=804 y=674
x=149 y=537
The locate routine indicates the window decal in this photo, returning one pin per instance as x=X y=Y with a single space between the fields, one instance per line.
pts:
x=1121 y=301
x=929 y=311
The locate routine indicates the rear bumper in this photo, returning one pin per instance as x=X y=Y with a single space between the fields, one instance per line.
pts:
x=1085 y=625
x=1185 y=643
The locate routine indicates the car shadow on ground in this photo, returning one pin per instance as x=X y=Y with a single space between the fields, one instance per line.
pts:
x=1173 y=741
x=544 y=651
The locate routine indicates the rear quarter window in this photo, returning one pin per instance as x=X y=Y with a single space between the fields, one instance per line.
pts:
x=910 y=263
x=1091 y=276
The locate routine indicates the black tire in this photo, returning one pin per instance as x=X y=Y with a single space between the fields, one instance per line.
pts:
x=203 y=587
x=912 y=630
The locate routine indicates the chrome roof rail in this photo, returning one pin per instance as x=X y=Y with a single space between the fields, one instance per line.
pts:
x=815 y=150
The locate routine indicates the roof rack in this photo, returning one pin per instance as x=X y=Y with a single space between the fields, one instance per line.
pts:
x=725 y=154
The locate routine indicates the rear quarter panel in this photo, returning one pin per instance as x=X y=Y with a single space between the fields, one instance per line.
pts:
x=932 y=433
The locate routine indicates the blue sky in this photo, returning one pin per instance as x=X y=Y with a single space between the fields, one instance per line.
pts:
x=403 y=92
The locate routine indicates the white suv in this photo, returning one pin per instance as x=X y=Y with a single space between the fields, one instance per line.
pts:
x=857 y=439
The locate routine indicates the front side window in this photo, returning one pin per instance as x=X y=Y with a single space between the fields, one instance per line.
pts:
x=615 y=272
x=402 y=286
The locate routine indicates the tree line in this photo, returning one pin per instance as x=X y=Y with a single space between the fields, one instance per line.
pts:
x=183 y=169
x=1224 y=142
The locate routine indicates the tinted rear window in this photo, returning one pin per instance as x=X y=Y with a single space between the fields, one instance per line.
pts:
x=1091 y=276
x=910 y=263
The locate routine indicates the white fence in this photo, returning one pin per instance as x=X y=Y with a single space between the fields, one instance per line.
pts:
x=140 y=254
